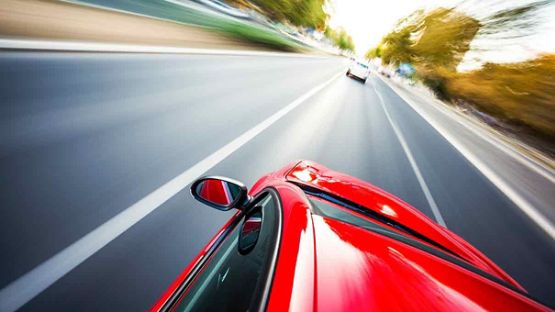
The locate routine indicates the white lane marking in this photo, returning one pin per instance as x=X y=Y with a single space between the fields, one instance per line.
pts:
x=32 y=283
x=477 y=129
x=505 y=188
x=412 y=161
x=82 y=46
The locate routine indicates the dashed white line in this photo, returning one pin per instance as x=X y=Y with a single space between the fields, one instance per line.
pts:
x=415 y=168
x=29 y=285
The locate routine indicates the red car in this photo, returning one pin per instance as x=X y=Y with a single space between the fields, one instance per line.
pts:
x=306 y=238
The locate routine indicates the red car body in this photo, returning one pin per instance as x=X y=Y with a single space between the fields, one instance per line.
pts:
x=324 y=264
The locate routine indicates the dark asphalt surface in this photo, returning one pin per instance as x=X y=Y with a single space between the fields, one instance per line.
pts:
x=84 y=136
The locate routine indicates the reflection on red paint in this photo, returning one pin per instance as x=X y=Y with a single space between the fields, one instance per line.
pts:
x=377 y=200
x=293 y=286
x=388 y=211
x=305 y=174
x=215 y=191
x=358 y=270
x=327 y=265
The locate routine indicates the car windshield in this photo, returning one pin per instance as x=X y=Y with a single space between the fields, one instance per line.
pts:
x=332 y=210
x=363 y=65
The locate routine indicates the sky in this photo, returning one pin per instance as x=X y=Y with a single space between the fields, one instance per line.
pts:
x=368 y=21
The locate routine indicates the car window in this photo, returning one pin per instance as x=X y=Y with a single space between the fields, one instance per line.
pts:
x=235 y=278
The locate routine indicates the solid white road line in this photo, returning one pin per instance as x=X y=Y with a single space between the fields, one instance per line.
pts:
x=412 y=161
x=499 y=182
x=82 y=46
x=29 y=285
x=473 y=126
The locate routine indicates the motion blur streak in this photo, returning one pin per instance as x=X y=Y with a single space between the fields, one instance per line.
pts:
x=513 y=193
x=72 y=46
x=37 y=280
x=150 y=117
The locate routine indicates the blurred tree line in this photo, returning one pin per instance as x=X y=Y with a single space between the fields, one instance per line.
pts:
x=435 y=39
x=302 y=13
x=340 y=38
x=434 y=43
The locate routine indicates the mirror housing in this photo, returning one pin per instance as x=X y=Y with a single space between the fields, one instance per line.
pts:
x=220 y=192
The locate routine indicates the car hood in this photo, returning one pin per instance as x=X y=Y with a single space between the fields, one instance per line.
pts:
x=315 y=176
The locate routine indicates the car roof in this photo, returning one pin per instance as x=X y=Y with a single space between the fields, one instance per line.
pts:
x=326 y=263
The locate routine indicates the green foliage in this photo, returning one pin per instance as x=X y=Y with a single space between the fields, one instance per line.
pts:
x=435 y=42
x=259 y=36
x=522 y=93
x=374 y=52
x=396 y=47
x=340 y=38
x=437 y=38
x=309 y=13
x=175 y=12
x=306 y=13
x=443 y=37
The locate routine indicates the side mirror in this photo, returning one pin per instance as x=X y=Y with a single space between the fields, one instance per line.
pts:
x=219 y=192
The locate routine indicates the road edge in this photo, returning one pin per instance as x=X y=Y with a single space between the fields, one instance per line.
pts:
x=88 y=46
x=528 y=209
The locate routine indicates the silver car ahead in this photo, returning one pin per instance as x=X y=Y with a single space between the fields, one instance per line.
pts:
x=358 y=70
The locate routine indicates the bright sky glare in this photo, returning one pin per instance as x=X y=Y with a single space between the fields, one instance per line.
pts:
x=368 y=21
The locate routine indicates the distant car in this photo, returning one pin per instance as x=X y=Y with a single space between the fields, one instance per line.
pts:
x=385 y=74
x=306 y=238
x=358 y=69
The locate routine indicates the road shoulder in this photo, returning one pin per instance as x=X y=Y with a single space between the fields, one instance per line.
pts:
x=49 y=20
x=523 y=180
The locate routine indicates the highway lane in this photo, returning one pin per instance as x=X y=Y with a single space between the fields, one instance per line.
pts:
x=528 y=182
x=84 y=136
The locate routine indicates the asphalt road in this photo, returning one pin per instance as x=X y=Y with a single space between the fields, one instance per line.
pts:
x=85 y=136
